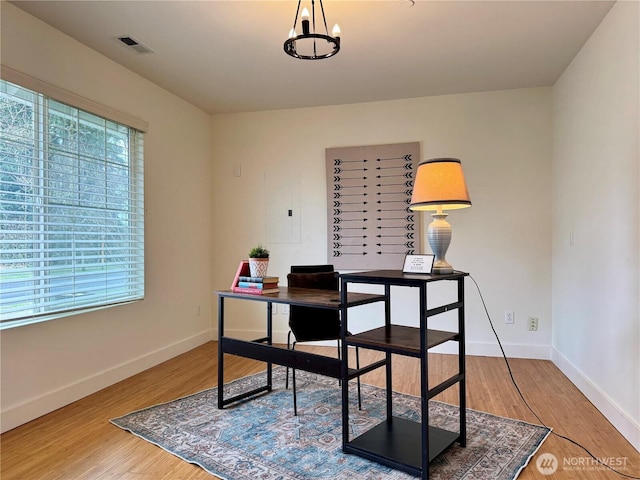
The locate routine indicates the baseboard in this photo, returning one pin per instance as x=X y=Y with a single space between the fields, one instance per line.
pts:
x=17 y=415
x=491 y=349
x=627 y=426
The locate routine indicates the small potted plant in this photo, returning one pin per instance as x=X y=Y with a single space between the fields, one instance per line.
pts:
x=258 y=261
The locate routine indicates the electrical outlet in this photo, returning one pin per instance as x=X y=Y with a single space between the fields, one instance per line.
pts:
x=274 y=309
x=285 y=309
x=509 y=317
x=533 y=324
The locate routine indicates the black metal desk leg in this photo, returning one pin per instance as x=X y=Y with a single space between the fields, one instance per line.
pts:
x=270 y=342
x=220 y=352
x=424 y=384
x=389 y=375
x=344 y=366
x=462 y=367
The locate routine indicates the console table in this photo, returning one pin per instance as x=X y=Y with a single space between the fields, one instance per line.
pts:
x=397 y=442
x=263 y=349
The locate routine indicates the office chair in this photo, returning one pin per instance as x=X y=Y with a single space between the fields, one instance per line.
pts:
x=309 y=324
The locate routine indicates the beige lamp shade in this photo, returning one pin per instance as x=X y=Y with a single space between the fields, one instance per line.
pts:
x=440 y=185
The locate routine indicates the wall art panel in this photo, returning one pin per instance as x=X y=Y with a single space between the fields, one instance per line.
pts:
x=369 y=190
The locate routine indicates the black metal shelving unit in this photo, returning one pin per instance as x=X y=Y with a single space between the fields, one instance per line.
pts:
x=396 y=442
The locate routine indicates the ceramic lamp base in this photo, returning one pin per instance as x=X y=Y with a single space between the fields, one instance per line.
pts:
x=439 y=233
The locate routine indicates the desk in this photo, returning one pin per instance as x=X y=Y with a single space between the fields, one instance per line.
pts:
x=396 y=442
x=263 y=349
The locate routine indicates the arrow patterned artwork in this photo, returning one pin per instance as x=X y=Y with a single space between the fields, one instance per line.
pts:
x=369 y=223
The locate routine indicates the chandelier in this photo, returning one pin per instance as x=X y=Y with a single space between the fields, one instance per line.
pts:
x=311 y=45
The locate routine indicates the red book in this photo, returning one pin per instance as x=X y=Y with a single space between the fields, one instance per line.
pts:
x=243 y=270
x=254 y=291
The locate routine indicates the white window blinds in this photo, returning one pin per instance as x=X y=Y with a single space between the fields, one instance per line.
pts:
x=71 y=209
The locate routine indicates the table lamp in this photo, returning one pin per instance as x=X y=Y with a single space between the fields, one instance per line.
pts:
x=439 y=185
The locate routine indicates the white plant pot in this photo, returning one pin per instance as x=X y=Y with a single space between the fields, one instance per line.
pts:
x=258 y=267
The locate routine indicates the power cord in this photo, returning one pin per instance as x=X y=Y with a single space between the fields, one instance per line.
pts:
x=513 y=380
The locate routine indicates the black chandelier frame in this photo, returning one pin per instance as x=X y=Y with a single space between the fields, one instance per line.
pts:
x=290 y=43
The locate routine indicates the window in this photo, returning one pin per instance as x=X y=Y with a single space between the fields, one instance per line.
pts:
x=71 y=209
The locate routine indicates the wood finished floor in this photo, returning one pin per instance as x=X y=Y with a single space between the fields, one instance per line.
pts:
x=78 y=442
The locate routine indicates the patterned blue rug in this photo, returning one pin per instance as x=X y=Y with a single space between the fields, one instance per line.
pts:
x=261 y=439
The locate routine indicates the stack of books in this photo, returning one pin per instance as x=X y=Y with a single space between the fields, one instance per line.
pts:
x=244 y=283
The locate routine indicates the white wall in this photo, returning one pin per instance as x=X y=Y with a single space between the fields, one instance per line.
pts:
x=47 y=365
x=596 y=312
x=504 y=141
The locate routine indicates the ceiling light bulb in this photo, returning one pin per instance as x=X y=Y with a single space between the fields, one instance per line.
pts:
x=292 y=33
x=305 y=14
x=336 y=30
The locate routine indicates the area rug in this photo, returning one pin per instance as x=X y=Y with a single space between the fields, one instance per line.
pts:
x=261 y=439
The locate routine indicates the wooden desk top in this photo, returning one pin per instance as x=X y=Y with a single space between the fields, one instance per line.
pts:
x=398 y=277
x=307 y=297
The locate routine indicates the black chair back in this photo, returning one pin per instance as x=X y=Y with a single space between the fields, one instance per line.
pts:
x=310 y=324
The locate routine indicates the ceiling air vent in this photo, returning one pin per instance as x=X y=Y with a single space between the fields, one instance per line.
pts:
x=131 y=42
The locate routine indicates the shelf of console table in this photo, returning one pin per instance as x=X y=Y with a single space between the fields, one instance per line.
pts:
x=400 y=339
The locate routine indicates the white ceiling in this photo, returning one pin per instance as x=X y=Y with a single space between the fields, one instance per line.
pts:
x=227 y=56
